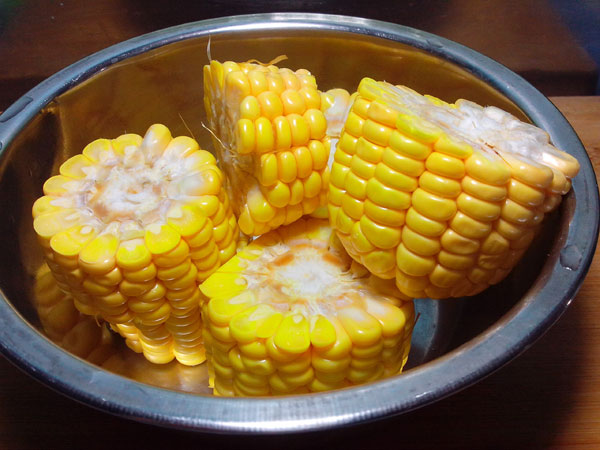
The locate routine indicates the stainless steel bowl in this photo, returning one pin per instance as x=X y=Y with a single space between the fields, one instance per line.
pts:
x=158 y=78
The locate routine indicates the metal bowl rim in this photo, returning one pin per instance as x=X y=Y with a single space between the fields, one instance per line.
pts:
x=29 y=350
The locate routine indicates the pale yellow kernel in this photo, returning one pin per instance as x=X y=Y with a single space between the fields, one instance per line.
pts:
x=385 y=196
x=352 y=207
x=509 y=230
x=515 y=213
x=95 y=148
x=259 y=207
x=187 y=220
x=75 y=166
x=408 y=147
x=529 y=172
x=293 y=213
x=470 y=227
x=410 y=283
x=258 y=82
x=413 y=264
x=495 y=244
x=245 y=136
x=445 y=165
x=312 y=185
x=98 y=256
x=311 y=96
x=433 y=206
x=354 y=124
x=444 y=277
x=362 y=328
x=362 y=168
x=245 y=324
x=425 y=225
x=322 y=332
x=385 y=216
x=439 y=185
x=207 y=203
x=275 y=82
x=381 y=236
x=478 y=209
x=69 y=242
x=379 y=112
x=418 y=128
x=354 y=185
x=161 y=238
x=395 y=179
x=459 y=244
x=401 y=163
x=483 y=191
x=340 y=349
x=286 y=167
x=268 y=169
x=319 y=153
x=376 y=133
x=264 y=135
x=221 y=310
x=57 y=185
x=120 y=143
x=347 y=143
x=451 y=147
x=487 y=170
x=278 y=195
x=250 y=108
x=271 y=105
x=201 y=238
x=420 y=244
x=296 y=192
x=381 y=263
x=369 y=151
x=109 y=279
x=300 y=130
x=283 y=133
x=293 y=102
x=293 y=335
x=304 y=162
x=524 y=194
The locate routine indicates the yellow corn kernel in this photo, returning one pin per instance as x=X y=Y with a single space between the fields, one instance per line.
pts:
x=456 y=204
x=300 y=321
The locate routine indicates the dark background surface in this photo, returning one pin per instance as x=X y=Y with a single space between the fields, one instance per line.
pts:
x=543 y=40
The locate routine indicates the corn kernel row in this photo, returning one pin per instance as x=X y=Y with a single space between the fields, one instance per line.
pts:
x=270 y=129
x=67 y=327
x=414 y=195
x=129 y=229
x=287 y=315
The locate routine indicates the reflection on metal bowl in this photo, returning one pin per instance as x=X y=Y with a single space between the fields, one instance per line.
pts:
x=157 y=78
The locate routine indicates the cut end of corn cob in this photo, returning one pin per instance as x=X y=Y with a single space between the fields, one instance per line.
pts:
x=292 y=313
x=129 y=229
x=443 y=198
x=273 y=140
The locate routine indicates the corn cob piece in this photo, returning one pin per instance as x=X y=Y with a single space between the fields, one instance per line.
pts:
x=291 y=313
x=130 y=227
x=271 y=137
x=77 y=333
x=445 y=198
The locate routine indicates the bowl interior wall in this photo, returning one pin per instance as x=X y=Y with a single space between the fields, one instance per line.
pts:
x=165 y=85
